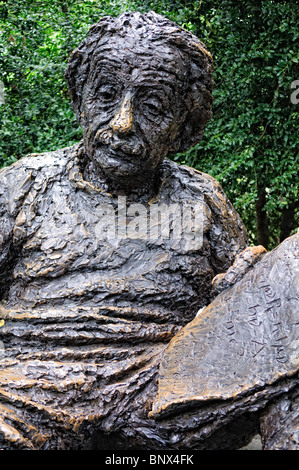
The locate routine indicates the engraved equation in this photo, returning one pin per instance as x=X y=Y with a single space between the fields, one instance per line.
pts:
x=260 y=318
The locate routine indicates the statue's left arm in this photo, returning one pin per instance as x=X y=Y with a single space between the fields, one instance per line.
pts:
x=231 y=254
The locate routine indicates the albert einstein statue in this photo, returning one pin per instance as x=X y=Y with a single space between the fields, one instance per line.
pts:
x=87 y=317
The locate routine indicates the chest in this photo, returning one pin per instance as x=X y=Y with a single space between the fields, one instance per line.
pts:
x=68 y=230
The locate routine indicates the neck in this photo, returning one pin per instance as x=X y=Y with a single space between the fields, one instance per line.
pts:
x=137 y=189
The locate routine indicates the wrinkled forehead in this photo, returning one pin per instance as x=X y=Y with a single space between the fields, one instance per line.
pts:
x=139 y=61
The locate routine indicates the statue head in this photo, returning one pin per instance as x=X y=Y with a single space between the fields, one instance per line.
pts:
x=141 y=87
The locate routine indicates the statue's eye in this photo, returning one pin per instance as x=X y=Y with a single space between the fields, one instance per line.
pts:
x=152 y=106
x=107 y=93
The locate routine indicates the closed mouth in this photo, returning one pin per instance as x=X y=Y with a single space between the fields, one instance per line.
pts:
x=122 y=152
x=118 y=156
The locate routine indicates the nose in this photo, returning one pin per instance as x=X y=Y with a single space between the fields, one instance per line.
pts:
x=122 y=123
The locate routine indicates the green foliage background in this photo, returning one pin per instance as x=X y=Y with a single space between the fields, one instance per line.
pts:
x=251 y=143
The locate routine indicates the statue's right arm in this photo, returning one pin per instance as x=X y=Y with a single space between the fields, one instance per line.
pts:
x=15 y=181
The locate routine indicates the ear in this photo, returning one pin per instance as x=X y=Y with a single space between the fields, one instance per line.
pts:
x=192 y=129
x=71 y=75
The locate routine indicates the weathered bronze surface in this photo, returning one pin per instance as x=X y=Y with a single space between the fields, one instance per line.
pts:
x=280 y=423
x=87 y=319
x=243 y=342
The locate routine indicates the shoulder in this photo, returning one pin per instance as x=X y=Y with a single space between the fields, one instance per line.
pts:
x=33 y=170
x=39 y=162
x=222 y=224
x=195 y=182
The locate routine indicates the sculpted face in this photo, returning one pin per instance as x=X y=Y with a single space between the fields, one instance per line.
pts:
x=141 y=87
x=132 y=107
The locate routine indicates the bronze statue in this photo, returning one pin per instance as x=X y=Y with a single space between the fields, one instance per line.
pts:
x=89 y=310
